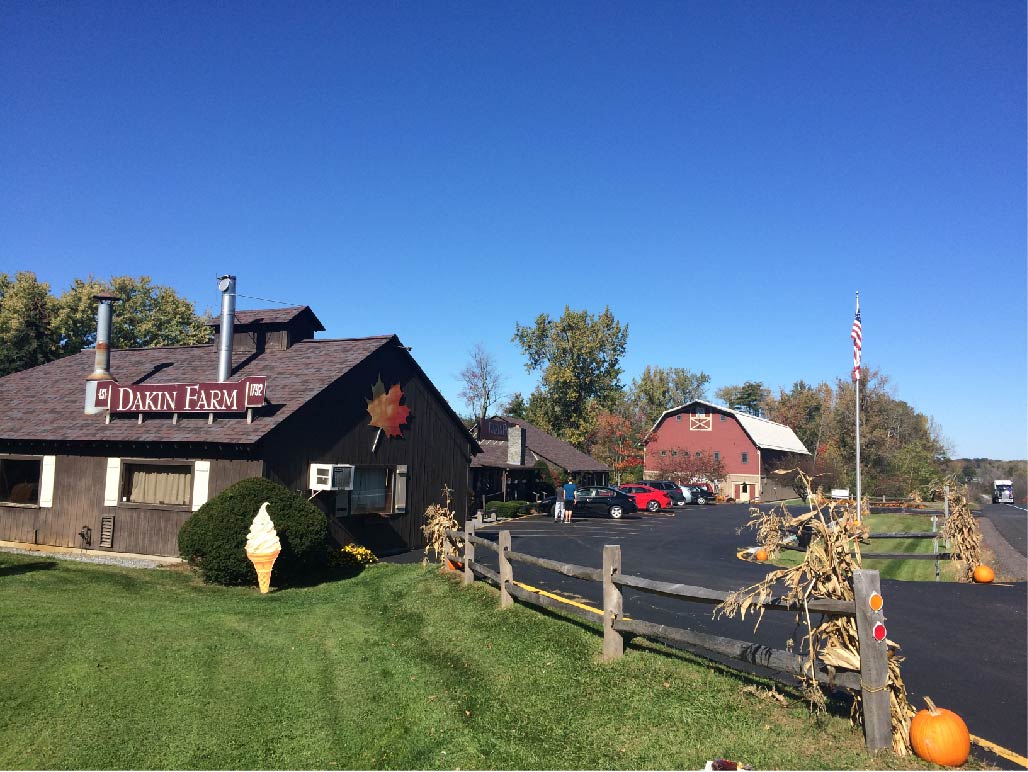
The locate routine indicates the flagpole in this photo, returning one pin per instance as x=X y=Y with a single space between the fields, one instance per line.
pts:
x=856 y=384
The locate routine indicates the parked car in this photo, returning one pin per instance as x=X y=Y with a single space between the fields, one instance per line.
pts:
x=697 y=494
x=647 y=497
x=670 y=488
x=602 y=500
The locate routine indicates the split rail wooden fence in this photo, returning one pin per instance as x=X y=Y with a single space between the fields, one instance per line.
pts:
x=871 y=680
x=935 y=554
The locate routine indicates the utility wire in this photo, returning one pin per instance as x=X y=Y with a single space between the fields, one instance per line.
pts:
x=267 y=300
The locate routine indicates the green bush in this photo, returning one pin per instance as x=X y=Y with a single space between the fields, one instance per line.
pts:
x=510 y=508
x=213 y=540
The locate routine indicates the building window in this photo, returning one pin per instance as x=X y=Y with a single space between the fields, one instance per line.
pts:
x=746 y=458
x=372 y=490
x=674 y=452
x=717 y=455
x=699 y=454
x=167 y=484
x=678 y=417
x=19 y=480
x=663 y=452
x=723 y=418
x=700 y=410
x=700 y=423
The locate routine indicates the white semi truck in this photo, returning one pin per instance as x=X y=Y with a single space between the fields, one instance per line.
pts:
x=1003 y=492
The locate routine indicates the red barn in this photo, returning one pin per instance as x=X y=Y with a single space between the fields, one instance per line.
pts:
x=749 y=448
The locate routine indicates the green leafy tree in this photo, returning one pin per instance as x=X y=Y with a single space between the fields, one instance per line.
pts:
x=516 y=407
x=659 y=389
x=751 y=397
x=28 y=331
x=147 y=315
x=579 y=356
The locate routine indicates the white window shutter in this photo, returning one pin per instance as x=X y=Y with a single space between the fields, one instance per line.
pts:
x=113 y=480
x=46 y=483
x=400 y=489
x=201 y=476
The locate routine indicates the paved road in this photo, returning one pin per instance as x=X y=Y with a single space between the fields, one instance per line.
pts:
x=1010 y=521
x=966 y=646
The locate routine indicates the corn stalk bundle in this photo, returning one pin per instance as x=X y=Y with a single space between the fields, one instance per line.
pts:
x=438 y=519
x=961 y=530
x=826 y=572
x=770 y=527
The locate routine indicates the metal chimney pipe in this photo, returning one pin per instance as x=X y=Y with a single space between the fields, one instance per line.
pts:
x=102 y=360
x=102 y=357
x=227 y=285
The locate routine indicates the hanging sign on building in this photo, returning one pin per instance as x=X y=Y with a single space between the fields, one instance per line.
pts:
x=228 y=397
x=385 y=409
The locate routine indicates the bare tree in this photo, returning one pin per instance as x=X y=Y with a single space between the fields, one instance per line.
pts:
x=482 y=382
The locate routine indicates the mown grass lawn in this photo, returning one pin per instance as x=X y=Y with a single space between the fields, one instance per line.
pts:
x=396 y=668
x=896 y=568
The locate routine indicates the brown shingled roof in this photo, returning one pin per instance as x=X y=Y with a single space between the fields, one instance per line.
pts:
x=46 y=402
x=544 y=446
x=494 y=456
x=270 y=316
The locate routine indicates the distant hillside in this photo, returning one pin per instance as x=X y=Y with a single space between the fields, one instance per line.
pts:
x=979 y=473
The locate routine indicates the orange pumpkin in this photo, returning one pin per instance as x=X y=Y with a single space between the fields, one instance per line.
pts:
x=761 y=555
x=984 y=575
x=940 y=736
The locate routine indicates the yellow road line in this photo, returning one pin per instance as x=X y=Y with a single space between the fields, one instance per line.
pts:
x=1000 y=751
x=575 y=603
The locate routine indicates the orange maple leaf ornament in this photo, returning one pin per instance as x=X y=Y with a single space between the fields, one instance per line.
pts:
x=385 y=409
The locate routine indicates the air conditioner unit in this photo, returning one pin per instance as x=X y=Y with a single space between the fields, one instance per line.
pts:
x=331 y=477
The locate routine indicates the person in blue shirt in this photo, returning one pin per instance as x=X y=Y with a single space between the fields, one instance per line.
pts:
x=569 y=499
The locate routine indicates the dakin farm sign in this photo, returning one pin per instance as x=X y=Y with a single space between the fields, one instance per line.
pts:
x=235 y=397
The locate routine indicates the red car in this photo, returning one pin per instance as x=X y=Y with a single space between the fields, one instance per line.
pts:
x=647 y=497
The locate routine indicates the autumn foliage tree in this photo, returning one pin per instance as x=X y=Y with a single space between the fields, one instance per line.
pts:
x=615 y=442
x=482 y=382
x=684 y=466
x=902 y=450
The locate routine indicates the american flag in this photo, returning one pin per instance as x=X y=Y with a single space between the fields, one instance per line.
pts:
x=856 y=334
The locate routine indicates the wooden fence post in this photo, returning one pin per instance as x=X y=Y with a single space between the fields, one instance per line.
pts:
x=613 y=603
x=874 y=662
x=469 y=550
x=506 y=571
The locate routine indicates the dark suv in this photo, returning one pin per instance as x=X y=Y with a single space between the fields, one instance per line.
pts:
x=670 y=488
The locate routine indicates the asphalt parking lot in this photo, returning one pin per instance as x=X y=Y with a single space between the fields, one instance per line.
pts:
x=966 y=646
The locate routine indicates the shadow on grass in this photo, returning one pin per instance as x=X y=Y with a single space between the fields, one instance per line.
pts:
x=26 y=568
x=839 y=703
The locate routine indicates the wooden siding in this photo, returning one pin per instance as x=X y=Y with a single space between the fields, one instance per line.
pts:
x=79 y=501
x=334 y=428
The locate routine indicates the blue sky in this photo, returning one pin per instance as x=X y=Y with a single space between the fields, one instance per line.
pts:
x=723 y=175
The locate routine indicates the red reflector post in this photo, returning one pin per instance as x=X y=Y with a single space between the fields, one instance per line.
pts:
x=879 y=631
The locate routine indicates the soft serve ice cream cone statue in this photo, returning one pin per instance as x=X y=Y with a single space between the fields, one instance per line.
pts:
x=263 y=546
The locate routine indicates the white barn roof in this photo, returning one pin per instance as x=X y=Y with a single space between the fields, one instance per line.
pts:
x=766 y=434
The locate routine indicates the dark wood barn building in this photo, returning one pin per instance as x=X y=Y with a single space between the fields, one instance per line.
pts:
x=354 y=423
